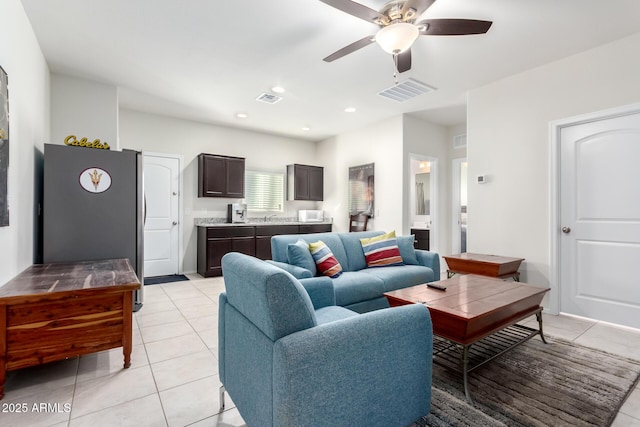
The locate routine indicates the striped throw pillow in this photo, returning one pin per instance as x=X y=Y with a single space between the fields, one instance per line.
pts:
x=381 y=251
x=327 y=264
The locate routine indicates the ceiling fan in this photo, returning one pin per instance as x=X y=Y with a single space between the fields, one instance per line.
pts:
x=398 y=29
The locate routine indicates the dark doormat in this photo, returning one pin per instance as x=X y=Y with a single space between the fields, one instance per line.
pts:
x=156 y=280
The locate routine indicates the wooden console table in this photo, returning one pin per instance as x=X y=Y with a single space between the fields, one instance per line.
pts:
x=52 y=312
x=501 y=267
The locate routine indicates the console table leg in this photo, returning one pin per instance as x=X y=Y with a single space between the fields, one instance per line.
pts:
x=465 y=372
x=539 y=318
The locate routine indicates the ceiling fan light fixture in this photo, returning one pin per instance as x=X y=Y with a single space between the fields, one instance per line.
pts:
x=398 y=37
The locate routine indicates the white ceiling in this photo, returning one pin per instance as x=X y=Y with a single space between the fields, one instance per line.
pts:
x=207 y=60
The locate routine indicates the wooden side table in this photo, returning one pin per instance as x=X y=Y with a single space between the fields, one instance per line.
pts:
x=501 y=267
x=52 y=312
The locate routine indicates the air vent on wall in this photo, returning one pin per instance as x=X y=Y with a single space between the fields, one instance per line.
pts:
x=406 y=90
x=269 y=98
x=460 y=141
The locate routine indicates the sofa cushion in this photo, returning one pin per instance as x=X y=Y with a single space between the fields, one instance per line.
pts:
x=381 y=251
x=397 y=277
x=353 y=248
x=298 y=254
x=326 y=262
x=354 y=286
x=407 y=249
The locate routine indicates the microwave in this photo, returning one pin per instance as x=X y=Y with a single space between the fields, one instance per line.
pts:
x=310 y=215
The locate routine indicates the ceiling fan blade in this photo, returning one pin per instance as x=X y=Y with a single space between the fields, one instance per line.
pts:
x=403 y=61
x=356 y=9
x=366 y=41
x=418 y=5
x=454 y=27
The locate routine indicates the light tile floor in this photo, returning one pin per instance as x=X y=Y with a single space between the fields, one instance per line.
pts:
x=173 y=379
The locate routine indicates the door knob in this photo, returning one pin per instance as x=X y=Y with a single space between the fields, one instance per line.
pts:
x=566 y=230
x=175 y=193
x=175 y=223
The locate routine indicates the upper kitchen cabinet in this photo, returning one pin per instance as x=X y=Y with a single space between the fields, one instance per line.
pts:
x=305 y=182
x=220 y=176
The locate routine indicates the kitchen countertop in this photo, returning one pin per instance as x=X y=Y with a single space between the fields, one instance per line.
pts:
x=252 y=222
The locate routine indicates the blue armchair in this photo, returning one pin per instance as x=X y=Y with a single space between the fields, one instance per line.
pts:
x=286 y=360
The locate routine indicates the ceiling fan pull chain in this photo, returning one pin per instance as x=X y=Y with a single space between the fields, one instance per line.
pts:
x=395 y=67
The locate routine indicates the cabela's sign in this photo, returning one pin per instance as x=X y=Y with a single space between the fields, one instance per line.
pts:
x=72 y=140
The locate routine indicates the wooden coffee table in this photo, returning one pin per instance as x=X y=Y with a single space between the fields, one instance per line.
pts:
x=477 y=315
x=501 y=267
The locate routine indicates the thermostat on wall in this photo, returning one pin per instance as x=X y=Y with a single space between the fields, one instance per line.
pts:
x=482 y=179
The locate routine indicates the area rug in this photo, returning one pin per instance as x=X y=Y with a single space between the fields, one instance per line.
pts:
x=157 y=280
x=536 y=384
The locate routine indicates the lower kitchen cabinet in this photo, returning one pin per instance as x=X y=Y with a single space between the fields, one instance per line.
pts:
x=421 y=238
x=215 y=242
x=264 y=234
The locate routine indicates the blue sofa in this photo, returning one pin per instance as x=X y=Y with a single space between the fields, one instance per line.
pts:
x=360 y=288
x=292 y=358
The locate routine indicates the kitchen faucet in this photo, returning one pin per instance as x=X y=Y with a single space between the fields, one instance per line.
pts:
x=268 y=218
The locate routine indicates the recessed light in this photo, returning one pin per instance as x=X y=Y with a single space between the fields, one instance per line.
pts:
x=242 y=115
x=350 y=110
x=277 y=89
x=306 y=128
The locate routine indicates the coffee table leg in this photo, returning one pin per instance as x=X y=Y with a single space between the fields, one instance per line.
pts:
x=465 y=371
x=539 y=317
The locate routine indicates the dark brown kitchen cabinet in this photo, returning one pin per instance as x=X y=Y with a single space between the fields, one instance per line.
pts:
x=264 y=234
x=220 y=176
x=305 y=182
x=421 y=238
x=215 y=242
x=315 y=228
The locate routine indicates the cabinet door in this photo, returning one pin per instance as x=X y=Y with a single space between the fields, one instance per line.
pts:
x=235 y=177
x=245 y=245
x=263 y=247
x=212 y=171
x=216 y=248
x=316 y=184
x=301 y=185
x=421 y=238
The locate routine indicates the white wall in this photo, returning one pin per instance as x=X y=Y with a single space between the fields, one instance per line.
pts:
x=508 y=139
x=21 y=58
x=379 y=143
x=160 y=134
x=83 y=108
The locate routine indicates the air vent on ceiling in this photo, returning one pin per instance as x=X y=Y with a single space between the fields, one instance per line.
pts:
x=406 y=90
x=268 y=98
x=460 y=141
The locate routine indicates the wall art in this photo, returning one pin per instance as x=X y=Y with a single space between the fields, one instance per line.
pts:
x=361 y=190
x=4 y=148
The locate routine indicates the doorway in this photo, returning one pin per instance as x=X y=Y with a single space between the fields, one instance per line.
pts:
x=163 y=224
x=596 y=216
x=423 y=196
x=459 y=206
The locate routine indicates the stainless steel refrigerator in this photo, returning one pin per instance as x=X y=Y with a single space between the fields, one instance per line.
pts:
x=93 y=207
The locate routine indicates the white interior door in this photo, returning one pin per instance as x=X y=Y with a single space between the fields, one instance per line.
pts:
x=161 y=230
x=600 y=219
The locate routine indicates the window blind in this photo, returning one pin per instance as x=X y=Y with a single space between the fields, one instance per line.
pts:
x=264 y=191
